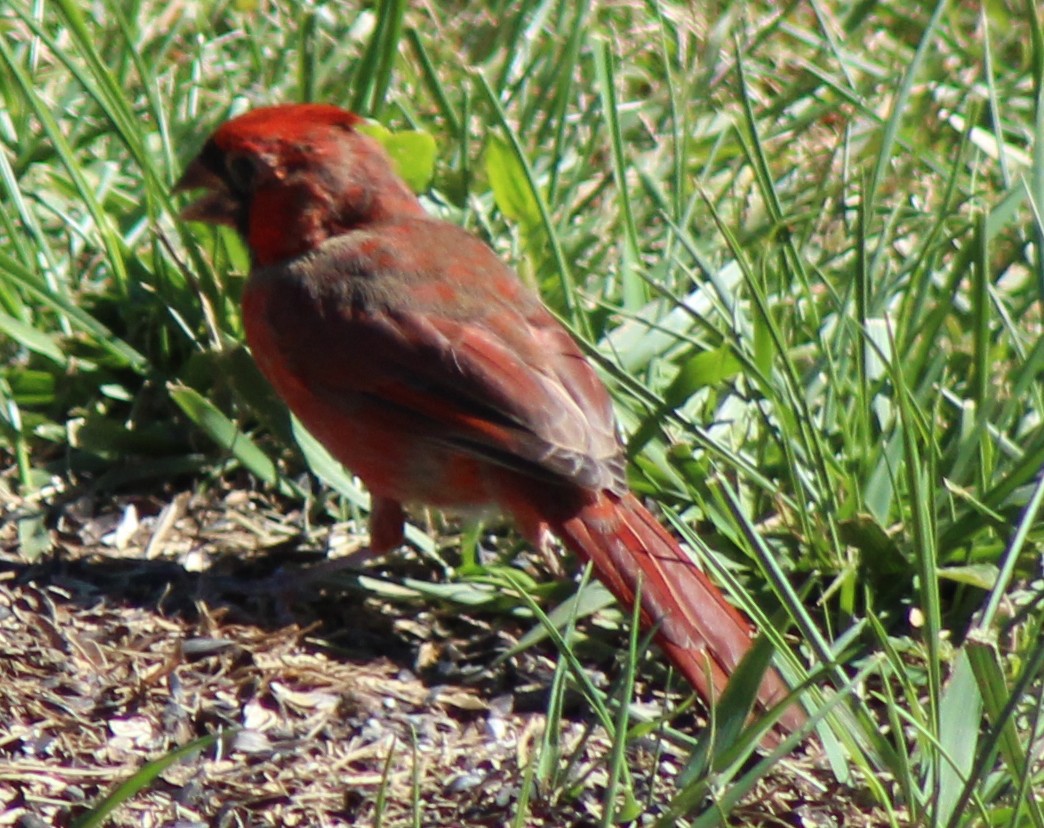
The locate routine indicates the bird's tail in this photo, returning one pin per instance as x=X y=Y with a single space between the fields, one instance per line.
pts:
x=703 y=635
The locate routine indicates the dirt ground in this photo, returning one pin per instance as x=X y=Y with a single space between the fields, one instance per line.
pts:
x=153 y=622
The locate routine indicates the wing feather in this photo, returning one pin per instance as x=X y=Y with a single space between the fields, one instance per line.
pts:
x=494 y=375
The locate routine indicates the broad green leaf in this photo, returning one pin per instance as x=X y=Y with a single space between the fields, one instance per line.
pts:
x=412 y=152
x=510 y=186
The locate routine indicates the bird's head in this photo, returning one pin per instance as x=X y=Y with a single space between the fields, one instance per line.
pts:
x=288 y=177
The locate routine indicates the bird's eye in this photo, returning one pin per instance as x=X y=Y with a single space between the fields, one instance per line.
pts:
x=242 y=172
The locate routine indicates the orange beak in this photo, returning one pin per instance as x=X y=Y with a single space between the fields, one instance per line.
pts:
x=218 y=205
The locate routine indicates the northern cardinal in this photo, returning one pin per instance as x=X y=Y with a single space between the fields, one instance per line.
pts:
x=424 y=364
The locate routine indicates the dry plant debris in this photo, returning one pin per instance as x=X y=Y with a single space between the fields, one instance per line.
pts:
x=151 y=624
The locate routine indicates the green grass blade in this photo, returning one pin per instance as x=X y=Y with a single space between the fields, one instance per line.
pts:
x=99 y=814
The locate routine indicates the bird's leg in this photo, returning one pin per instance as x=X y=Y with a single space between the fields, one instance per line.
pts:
x=386 y=525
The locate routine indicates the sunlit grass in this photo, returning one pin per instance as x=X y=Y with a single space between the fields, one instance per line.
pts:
x=802 y=245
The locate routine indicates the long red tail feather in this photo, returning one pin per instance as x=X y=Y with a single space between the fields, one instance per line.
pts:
x=704 y=636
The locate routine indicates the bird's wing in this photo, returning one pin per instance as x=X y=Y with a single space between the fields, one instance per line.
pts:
x=465 y=356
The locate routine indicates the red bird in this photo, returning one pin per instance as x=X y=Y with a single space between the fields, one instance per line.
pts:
x=423 y=364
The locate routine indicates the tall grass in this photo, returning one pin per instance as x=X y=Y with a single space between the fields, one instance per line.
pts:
x=802 y=243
